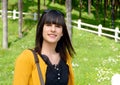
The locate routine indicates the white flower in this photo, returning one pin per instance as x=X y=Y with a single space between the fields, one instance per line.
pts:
x=115 y=79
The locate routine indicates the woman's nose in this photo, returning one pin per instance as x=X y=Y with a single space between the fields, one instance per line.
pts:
x=53 y=28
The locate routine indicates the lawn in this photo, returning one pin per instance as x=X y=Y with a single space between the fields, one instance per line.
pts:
x=96 y=60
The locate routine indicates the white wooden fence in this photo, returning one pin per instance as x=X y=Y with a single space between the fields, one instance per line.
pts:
x=99 y=29
x=15 y=15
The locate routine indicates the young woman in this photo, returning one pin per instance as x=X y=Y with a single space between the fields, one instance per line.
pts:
x=54 y=50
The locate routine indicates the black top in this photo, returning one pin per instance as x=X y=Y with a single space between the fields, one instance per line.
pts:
x=56 y=74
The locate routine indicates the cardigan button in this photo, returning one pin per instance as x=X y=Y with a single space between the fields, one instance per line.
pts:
x=58 y=74
x=58 y=78
x=57 y=68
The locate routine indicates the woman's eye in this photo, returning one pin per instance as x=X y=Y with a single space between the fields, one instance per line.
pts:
x=59 y=26
x=48 y=24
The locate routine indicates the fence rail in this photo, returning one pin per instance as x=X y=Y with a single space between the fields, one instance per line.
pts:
x=15 y=15
x=99 y=29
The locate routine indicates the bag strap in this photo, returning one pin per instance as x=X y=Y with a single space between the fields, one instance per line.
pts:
x=38 y=67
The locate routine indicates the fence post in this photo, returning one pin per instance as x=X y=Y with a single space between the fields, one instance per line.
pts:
x=79 y=24
x=35 y=16
x=14 y=14
x=116 y=34
x=99 y=30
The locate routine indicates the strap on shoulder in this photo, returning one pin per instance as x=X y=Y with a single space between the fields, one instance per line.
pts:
x=38 y=67
x=35 y=56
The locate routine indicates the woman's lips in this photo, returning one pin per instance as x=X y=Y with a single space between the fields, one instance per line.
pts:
x=52 y=35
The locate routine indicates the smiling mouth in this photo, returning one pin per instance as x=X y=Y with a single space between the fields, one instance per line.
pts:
x=52 y=35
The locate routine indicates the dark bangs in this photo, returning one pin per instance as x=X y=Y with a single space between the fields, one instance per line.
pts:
x=54 y=17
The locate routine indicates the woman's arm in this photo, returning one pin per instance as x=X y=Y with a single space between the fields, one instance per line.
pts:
x=23 y=68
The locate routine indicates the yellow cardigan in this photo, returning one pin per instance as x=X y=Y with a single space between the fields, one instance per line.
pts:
x=26 y=71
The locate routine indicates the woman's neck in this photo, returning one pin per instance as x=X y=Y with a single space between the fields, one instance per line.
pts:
x=49 y=51
x=48 y=48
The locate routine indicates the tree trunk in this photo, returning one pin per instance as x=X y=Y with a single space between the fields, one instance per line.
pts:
x=117 y=4
x=20 y=18
x=89 y=6
x=113 y=13
x=105 y=9
x=53 y=1
x=5 y=23
x=97 y=11
x=80 y=3
x=68 y=17
x=38 y=10
x=44 y=3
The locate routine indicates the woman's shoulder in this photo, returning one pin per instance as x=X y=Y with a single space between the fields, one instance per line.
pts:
x=25 y=56
x=68 y=56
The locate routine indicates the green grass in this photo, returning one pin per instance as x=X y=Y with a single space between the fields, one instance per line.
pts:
x=96 y=60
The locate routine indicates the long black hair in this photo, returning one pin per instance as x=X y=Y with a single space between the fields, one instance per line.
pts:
x=64 y=45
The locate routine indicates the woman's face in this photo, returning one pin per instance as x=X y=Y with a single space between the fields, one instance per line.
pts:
x=52 y=33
